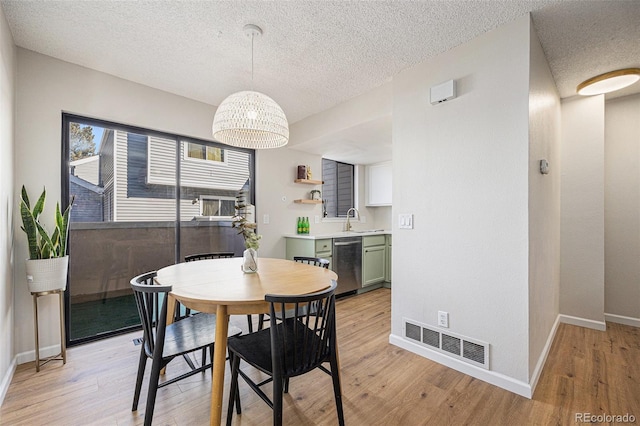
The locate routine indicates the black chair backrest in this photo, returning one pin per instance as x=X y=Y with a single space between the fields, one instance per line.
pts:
x=202 y=256
x=303 y=341
x=317 y=261
x=151 y=300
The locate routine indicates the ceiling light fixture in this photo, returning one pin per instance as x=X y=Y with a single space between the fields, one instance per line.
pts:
x=609 y=82
x=250 y=119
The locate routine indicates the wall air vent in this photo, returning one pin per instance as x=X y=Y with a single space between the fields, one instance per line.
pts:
x=413 y=331
x=474 y=352
x=463 y=348
x=431 y=338
x=451 y=344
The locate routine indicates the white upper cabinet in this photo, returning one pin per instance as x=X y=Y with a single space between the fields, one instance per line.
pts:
x=379 y=178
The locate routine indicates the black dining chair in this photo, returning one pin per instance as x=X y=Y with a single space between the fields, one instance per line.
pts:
x=216 y=255
x=288 y=348
x=203 y=256
x=315 y=261
x=162 y=343
x=182 y=311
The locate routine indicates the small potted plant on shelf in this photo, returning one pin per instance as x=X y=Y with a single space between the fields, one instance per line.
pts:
x=48 y=262
x=248 y=232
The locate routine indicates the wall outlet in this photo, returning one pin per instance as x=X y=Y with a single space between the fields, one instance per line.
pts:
x=265 y=219
x=443 y=319
x=316 y=219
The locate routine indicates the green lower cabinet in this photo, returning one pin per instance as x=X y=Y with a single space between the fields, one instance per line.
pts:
x=325 y=255
x=387 y=275
x=374 y=260
x=309 y=248
x=376 y=255
x=300 y=247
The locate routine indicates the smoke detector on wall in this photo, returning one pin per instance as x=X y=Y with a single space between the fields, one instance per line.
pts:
x=443 y=92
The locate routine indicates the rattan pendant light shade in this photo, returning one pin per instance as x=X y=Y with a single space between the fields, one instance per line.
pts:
x=250 y=119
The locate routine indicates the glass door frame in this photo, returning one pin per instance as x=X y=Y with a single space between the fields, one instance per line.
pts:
x=67 y=119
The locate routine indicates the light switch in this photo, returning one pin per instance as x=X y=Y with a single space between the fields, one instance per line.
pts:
x=405 y=221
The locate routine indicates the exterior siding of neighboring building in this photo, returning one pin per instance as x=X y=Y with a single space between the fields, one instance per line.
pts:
x=87 y=206
x=87 y=169
x=229 y=175
x=107 y=168
x=145 y=178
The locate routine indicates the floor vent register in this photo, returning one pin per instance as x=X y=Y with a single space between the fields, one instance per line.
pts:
x=454 y=345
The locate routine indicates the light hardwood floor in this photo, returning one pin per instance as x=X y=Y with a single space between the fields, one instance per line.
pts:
x=587 y=372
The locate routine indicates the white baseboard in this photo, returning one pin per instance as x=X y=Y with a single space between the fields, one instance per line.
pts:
x=620 y=319
x=497 y=379
x=44 y=353
x=500 y=380
x=535 y=376
x=583 y=322
x=6 y=380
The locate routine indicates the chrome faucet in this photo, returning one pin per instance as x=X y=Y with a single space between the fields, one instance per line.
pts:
x=347 y=225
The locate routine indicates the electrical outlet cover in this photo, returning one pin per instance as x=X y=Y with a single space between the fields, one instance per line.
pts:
x=443 y=319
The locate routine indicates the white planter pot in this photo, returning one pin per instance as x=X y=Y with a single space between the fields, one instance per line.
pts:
x=47 y=274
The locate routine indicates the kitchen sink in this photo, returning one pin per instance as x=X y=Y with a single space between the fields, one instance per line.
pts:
x=366 y=231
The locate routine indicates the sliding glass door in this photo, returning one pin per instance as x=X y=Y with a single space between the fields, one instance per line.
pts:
x=142 y=200
x=210 y=179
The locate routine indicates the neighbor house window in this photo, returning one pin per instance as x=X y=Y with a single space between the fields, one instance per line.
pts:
x=337 y=189
x=220 y=207
x=204 y=152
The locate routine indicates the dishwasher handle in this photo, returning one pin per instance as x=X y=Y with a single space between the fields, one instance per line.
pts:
x=350 y=243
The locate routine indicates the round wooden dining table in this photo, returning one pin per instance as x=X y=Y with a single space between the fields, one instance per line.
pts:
x=219 y=286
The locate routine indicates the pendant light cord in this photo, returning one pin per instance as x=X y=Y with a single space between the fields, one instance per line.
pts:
x=252 y=37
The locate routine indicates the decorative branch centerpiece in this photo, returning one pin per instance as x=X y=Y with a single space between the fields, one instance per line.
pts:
x=248 y=232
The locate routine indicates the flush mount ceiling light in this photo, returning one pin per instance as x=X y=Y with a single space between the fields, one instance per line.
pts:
x=250 y=119
x=609 y=82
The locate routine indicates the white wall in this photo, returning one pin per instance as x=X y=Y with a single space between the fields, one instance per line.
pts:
x=582 y=223
x=622 y=210
x=544 y=207
x=7 y=203
x=367 y=107
x=462 y=168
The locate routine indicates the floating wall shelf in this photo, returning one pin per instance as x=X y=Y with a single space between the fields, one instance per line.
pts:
x=308 y=201
x=309 y=181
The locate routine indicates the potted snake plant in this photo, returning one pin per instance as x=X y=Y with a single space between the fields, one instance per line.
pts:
x=48 y=261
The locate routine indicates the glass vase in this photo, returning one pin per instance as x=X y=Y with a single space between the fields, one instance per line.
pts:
x=250 y=261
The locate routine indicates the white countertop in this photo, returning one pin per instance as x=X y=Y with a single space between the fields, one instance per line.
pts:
x=338 y=234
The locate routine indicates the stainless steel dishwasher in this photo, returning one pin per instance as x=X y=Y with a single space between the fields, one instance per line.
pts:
x=347 y=263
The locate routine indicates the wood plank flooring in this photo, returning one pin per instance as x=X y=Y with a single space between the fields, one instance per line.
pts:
x=587 y=372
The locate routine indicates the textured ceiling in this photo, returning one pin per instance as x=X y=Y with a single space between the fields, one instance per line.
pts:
x=588 y=38
x=313 y=55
